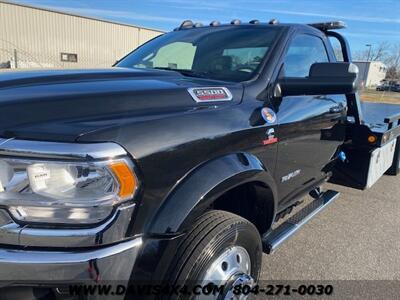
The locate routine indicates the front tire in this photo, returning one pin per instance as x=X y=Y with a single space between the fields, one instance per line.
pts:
x=220 y=248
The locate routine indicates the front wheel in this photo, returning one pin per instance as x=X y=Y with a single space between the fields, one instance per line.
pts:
x=221 y=249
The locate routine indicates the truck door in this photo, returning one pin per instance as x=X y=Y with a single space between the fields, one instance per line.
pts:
x=309 y=126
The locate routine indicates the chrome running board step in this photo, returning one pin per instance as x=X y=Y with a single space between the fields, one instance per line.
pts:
x=272 y=239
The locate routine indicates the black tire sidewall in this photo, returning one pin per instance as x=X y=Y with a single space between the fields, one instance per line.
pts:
x=240 y=234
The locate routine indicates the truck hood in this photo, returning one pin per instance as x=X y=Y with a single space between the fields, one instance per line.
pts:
x=61 y=105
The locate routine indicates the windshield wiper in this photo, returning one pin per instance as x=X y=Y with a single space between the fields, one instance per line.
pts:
x=184 y=72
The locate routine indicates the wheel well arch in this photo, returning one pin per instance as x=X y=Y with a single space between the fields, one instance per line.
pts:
x=211 y=183
x=253 y=201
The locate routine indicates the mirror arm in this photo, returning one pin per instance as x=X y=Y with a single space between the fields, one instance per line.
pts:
x=277 y=91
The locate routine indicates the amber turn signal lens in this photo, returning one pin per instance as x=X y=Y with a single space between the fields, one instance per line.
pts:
x=372 y=139
x=126 y=178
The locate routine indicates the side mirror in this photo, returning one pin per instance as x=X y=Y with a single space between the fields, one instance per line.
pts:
x=323 y=79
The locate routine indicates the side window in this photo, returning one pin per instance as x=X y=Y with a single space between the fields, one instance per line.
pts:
x=337 y=48
x=303 y=51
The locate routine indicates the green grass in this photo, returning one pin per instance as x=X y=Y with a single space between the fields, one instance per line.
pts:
x=378 y=96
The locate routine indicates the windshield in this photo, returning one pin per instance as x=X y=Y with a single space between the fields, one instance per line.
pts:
x=227 y=53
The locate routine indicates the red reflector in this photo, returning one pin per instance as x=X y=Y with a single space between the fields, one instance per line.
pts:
x=270 y=141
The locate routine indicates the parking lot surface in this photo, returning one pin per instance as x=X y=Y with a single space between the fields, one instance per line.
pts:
x=357 y=237
x=380 y=96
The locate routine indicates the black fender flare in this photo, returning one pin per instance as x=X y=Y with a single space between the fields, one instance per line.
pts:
x=194 y=193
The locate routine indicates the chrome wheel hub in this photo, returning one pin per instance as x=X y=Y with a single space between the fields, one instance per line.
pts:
x=231 y=268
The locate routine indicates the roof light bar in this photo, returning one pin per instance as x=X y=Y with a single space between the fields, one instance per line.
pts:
x=329 y=25
x=324 y=26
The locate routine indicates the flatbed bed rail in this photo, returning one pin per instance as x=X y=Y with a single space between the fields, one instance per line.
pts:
x=395 y=118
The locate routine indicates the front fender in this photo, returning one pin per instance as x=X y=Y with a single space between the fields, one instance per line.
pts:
x=199 y=188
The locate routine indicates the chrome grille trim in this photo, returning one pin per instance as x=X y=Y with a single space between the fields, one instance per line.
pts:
x=58 y=150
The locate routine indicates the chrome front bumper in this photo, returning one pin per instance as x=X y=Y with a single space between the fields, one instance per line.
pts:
x=26 y=267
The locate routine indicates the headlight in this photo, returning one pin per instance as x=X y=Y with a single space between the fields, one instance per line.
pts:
x=66 y=192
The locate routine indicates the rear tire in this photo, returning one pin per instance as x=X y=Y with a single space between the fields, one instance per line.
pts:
x=220 y=248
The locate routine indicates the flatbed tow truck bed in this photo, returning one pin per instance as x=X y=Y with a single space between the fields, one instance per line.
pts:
x=372 y=148
x=375 y=114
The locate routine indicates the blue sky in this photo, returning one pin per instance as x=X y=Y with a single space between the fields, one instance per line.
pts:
x=369 y=21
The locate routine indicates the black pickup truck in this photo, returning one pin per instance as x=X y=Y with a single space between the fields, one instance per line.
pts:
x=175 y=165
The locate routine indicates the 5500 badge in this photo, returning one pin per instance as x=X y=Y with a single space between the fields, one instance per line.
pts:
x=210 y=94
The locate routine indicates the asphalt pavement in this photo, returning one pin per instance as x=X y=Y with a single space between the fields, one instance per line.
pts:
x=357 y=237
x=353 y=245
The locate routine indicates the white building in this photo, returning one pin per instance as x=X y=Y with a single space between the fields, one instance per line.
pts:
x=371 y=73
x=32 y=37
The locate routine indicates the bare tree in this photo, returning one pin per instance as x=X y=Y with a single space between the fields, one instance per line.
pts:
x=392 y=73
x=393 y=59
x=378 y=52
x=386 y=53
